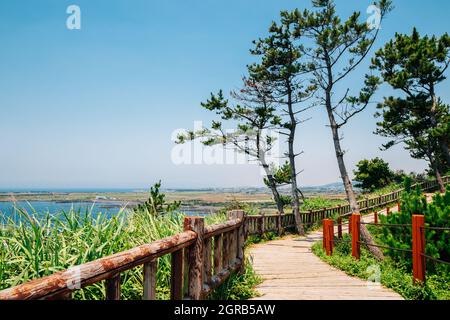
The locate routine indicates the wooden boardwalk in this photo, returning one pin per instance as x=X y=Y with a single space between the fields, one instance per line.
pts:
x=290 y=271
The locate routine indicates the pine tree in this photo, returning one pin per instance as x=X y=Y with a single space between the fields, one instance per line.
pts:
x=415 y=66
x=254 y=114
x=334 y=49
x=280 y=68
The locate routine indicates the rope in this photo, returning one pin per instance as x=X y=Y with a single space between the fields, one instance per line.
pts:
x=436 y=228
x=387 y=225
x=384 y=247
x=434 y=259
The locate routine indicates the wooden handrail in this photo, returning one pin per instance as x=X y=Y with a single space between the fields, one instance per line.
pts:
x=213 y=230
x=259 y=224
x=95 y=271
x=201 y=277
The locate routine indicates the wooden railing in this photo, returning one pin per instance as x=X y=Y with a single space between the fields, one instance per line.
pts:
x=206 y=255
x=260 y=224
x=417 y=251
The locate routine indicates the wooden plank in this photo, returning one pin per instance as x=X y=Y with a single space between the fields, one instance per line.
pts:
x=113 y=288
x=177 y=275
x=211 y=231
x=317 y=280
x=195 y=276
x=149 y=270
x=418 y=247
x=225 y=250
x=356 y=246
x=218 y=255
x=207 y=270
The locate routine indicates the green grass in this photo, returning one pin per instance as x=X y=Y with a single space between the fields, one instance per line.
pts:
x=392 y=275
x=239 y=286
x=318 y=203
x=31 y=248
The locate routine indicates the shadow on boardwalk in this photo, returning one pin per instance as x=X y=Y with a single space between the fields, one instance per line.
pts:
x=290 y=271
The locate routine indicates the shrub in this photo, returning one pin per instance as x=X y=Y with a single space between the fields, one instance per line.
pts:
x=373 y=174
x=437 y=214
x=156 y=203
x=393 y=275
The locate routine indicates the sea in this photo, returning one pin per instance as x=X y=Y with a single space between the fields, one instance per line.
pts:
x=42 y=208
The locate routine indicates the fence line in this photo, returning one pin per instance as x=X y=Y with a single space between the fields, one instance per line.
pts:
x=259 y=224
x=418 y=252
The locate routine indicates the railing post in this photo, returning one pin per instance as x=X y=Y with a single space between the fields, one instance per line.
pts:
x=113 y=288
x=350 y=225
x=399 y=208
x=339 y=221
x=261 y=224
x=356 y=247
x=375 y=217
x=149 y=270
x=240 y=214
x=330 y=237
x=195 y=275
x=218 y=254
x=177 y=275
x=388 y=211
x=280 y=225
x=418 y=245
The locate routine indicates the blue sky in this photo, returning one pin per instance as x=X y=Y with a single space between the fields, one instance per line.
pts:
x=96 y=107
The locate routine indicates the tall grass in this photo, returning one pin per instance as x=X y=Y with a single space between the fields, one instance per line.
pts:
x=33 y=245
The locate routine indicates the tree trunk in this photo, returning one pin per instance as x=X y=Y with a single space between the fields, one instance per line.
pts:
x=437 y=173
x=271 y=181
x=291 y=153
x=273 y=187
x=365 y=234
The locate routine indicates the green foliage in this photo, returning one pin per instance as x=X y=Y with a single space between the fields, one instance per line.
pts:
x=318 y=203
x=32 y=247
x=437 y=214
x=393 y=275
x=253 y=112
x=373 y=174
x=281 y=175
x=156 y=203
x=239 y=286
x=248 y=208
x=415 y=66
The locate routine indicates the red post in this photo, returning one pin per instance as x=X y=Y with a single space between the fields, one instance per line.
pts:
x=356 y=247
x=328 y=236
x=375 y=217
x=399 y=209
x=388 y=211
x=339 y=221
x=418 y=244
